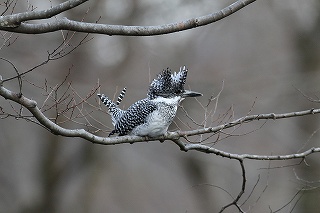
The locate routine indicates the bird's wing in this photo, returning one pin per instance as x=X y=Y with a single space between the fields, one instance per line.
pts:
x=134 y=116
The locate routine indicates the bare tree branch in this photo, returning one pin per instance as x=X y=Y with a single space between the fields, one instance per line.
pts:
x=16 y=22
x=249 y=118
x=65 y=48
x=243 y=188
x=32 y=107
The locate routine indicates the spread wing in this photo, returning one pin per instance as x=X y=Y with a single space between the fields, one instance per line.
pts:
x=134 y=116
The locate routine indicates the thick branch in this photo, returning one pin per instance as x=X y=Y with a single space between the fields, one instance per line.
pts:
x=14 y=23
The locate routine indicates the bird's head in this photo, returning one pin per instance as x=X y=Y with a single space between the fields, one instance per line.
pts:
x=170 y=85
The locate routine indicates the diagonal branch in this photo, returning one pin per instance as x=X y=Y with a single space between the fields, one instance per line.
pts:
x=207 y=149
x=249 y=118
x=15 y=22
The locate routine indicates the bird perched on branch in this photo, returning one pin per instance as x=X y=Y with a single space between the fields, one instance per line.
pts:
x=151 y=116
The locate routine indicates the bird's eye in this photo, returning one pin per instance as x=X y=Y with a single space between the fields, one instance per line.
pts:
x=179 y=92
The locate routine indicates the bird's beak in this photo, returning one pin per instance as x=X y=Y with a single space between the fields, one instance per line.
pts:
x=188 y=93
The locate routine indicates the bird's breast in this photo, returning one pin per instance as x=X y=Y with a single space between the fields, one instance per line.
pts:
x=158 y=122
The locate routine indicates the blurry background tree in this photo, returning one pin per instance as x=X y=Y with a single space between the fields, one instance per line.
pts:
x=262 y=59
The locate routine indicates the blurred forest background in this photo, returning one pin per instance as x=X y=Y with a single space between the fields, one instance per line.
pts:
x=263 y=54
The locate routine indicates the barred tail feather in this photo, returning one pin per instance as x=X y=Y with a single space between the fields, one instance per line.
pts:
x=121 y=95
x=106 y=101
x=113 y=108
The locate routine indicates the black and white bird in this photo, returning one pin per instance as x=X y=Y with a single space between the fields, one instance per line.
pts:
x=151 y=116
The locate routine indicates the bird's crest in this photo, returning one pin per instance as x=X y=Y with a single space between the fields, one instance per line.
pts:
x=168 y=84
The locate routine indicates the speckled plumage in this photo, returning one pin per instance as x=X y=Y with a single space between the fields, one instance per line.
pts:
x=153 y=115
x=168 y=84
